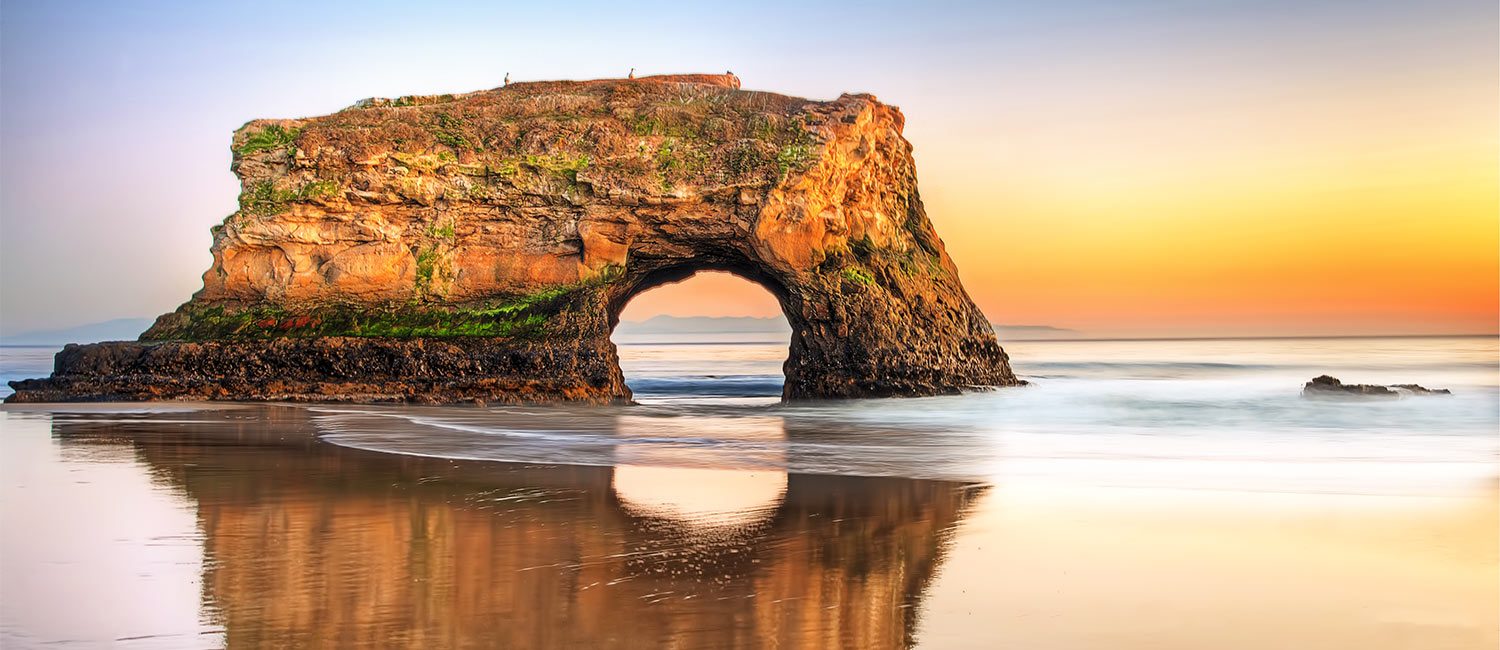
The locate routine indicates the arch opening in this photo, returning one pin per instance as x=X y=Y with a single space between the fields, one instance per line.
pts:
x=685 y=334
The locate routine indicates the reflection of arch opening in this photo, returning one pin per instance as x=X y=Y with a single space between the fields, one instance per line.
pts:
x=700 y=498
x=664 y=353
x=736 y=483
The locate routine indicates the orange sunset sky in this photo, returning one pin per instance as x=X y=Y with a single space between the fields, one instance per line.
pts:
x=1308 y=182
x=1153 y=168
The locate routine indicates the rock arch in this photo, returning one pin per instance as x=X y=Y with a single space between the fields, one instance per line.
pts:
x=848 y=338
x=481 y=246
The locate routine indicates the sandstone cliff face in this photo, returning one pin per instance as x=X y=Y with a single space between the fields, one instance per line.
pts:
x=531 y=214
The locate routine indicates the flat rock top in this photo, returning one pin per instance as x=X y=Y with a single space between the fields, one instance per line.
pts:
x=668 y=135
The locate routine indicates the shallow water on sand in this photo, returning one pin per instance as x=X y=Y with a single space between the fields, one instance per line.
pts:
x=1162 y=494
x=1223 y=414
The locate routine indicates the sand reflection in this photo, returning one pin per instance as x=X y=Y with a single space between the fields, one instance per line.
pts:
x=310 y=544
x=735 y=484
x=303 y=543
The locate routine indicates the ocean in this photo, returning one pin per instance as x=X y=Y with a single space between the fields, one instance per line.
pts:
x=1144 y=493
x=1097 y=411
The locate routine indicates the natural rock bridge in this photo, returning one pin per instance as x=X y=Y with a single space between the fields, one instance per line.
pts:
x=481 y=247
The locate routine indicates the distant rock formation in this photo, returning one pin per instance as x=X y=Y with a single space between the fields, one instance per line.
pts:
x=1326 y=386
x=110 y=330
x=665 y=324
x=482 y=246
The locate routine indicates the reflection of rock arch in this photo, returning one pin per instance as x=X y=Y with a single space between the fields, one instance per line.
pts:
x=312 y=544
x=717 y=488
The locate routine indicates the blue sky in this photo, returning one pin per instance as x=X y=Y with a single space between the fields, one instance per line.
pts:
x=115 y=118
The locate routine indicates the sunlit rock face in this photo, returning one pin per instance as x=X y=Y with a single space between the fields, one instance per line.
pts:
x=527 y=216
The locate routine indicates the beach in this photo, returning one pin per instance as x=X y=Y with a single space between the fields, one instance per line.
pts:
x=1161 y=494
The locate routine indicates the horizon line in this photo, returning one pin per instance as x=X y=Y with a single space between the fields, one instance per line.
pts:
x=1254 y=337
x=1023 y=340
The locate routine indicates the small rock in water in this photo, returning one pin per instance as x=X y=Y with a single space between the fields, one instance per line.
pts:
x=1418 y=390
x=1326 y=386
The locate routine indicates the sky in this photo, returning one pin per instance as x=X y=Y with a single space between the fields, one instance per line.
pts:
x=1148 y=168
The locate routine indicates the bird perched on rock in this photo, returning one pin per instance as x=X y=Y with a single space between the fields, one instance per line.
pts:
x=507 y=78
x=631 y=75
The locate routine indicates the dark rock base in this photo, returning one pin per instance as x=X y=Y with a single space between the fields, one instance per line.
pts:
x=1326 y=386
x=438 y=371
x=331 y=370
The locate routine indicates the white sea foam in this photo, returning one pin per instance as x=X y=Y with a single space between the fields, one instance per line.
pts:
x=1182 y=414
x=1211 y=414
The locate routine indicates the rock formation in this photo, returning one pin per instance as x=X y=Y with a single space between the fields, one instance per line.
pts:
x=481 y=246
x=1326 y=386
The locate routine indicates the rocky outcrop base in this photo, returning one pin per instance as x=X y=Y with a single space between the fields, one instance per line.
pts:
x=331 y=369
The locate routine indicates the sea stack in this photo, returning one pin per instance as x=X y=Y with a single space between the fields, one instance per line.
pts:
x=1327 y=386
x=481 y=246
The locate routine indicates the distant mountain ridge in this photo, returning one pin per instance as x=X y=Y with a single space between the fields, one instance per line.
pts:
x=119 y=329
x=666 y=324
x=127 y=329
x=1033 y=332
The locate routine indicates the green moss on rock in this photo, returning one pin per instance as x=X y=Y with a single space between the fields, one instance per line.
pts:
x=859 y=275
x=521 y=317
x=273 y=136
x=264 y=198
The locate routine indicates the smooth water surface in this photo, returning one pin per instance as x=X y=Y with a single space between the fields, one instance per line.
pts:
x=1139 y=494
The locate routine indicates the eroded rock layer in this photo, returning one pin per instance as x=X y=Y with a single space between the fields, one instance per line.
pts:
x=482 y=246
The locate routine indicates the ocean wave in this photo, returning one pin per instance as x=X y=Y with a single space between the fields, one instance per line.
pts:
x=1117 y=365
x=709 y=385
x=1126 y=370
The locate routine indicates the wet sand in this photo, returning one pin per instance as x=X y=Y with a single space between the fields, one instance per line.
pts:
x=179 y=526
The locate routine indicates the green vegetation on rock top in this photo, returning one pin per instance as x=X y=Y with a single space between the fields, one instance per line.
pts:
x=631 y=138
x=271 y=137
x=522 y=317
x=448 y=130
x=265 y=199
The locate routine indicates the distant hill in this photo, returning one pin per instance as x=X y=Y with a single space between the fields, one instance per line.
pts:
x=1033 y=332
x=119 y=329
x=777 y=325
x=665 y=324
x=127 y=329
